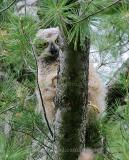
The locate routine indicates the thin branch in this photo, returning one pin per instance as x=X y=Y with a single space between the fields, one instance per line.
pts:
x=29 y=134
x=25 y=7
x=125 y=51
x=3 y=10
x=44 y=111
x=99 y=11
x=36 y=62
x=6 y=110
x=110 y=46
x=124 y=66
x=44 y=133
x=41 y=131
x=105 y=63
x=41 y=144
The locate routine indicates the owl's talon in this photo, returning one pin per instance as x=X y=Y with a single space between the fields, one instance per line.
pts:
x=95 y=107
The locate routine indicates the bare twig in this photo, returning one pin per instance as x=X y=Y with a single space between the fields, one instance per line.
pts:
x=3 y=10
x=105 y=63
x=45 y=116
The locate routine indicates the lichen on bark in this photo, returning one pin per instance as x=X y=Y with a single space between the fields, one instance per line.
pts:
x=71 y=102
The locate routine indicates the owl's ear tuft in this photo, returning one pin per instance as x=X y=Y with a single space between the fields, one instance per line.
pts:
x=58 y=28
x=40 y=34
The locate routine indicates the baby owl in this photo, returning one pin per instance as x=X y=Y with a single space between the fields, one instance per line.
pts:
x=48 y=46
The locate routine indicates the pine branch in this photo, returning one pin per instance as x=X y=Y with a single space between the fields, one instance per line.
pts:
x=6 y=110
x=3 y=10
x=123 y=69
x=41 y=144
x=89 y=4
x=36 y=62
x=111 y=46
x=99 y=11
x=38 y=129
x=22 y=131
x=29 y=134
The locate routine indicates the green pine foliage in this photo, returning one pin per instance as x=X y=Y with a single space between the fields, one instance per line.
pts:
x=108 y=33
x=116 y=131
x=11 y=150
x=18 y=50
x=19 y=123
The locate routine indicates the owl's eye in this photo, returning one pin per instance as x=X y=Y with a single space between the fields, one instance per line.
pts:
x=45 y=44
x=57 y=41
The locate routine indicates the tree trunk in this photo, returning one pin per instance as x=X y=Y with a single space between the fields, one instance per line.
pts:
x=71 y=102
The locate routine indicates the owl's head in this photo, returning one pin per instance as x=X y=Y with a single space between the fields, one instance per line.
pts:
x=47 y=42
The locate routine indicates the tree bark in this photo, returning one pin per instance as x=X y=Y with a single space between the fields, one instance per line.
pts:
x=71 y=102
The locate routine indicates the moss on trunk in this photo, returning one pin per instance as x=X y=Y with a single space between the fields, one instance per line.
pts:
x=71 y=101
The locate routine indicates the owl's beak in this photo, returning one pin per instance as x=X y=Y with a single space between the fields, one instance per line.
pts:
x=54 y=50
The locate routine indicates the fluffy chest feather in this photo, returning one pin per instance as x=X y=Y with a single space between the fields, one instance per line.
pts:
x=47 y=77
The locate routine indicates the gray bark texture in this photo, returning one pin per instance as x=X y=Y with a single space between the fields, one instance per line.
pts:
x=71 y=102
